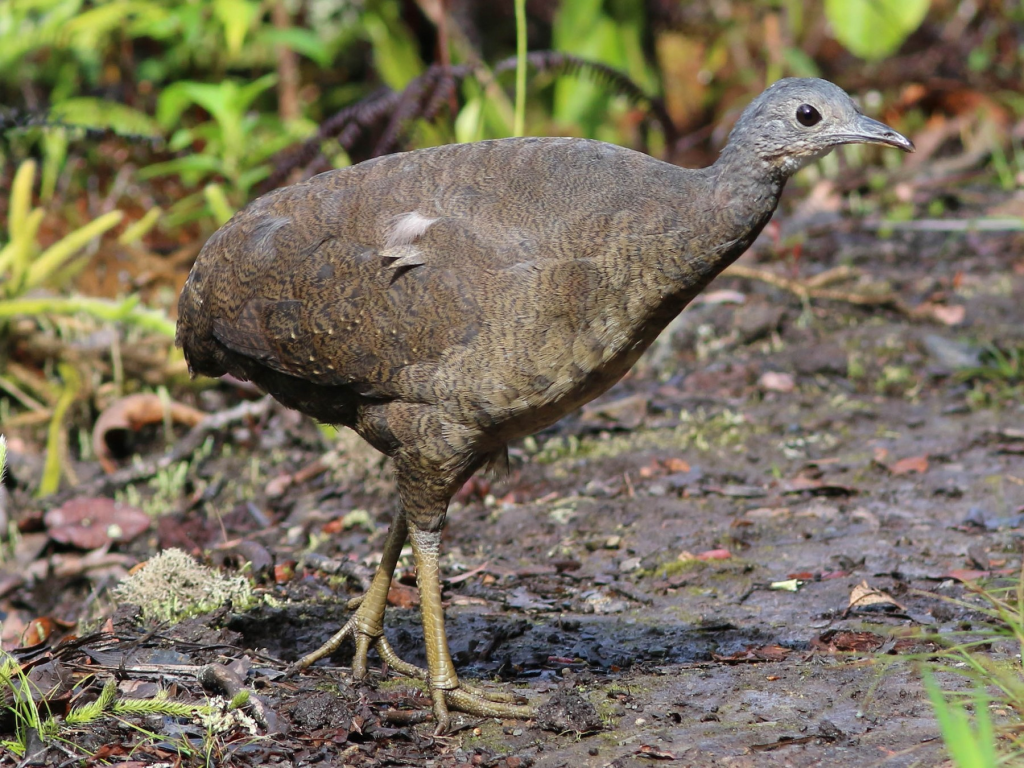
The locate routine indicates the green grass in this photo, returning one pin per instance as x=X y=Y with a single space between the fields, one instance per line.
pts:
x=983 y=726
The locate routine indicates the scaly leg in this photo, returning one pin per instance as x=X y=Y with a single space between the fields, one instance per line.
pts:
x=367 y=624
x=442 y=680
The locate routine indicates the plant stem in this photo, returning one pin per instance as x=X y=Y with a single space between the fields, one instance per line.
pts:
x=519 y=124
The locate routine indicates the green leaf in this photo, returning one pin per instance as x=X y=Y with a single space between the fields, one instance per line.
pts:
x=193 y=166
x=236 y=16
x=299 y=40
x=53 y=258
x=873 y=29
x=218 y=202
x=394 y=49
x=469 y=123
x=21 y=198
x=52 y=467
x=99 y=113
x=968 y=747
x=249 y=92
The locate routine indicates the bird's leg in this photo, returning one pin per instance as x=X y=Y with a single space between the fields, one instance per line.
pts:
x=367 y=624
x=442 y=680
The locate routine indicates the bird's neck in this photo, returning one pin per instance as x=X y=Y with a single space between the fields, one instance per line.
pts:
x=735 y=199
x=746 y=190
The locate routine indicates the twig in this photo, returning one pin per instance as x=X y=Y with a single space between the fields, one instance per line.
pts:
x=1008 y=224
x=811 y=289
x=22 y=397
x=181 y=450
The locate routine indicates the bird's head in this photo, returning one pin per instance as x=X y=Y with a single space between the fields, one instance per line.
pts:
x=797 y=120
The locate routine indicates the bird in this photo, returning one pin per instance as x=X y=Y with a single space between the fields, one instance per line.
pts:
x=446 y=301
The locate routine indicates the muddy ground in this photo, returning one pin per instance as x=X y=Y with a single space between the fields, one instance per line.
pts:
x=631 y=554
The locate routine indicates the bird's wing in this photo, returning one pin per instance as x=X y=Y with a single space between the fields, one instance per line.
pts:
x=359 y=274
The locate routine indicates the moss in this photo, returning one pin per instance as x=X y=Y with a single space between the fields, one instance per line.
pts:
x=173 y=586
x=675 y=567
x=697 y=431
x=489 y=735
x=401 y=683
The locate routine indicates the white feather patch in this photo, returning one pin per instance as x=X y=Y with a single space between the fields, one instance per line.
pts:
x=406 y=229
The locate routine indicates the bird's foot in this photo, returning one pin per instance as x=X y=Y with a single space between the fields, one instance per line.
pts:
x=402 y=667
x=473 y=701
x=469 y=699
x=349 y=629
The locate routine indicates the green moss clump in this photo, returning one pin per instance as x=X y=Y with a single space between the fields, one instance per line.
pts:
x=674 y=567
x=174 y=586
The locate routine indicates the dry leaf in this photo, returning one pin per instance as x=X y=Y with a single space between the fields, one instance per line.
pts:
x=844 y=641
x=714 y=554
x=767 y=513
x=132 y=413
x=724 y=296
x=864 y=596
x=947 y=314
x=775 y=381
x=402 y=596
x=90 y=523
x=627 y=412
x=676 y=465
x=911 y=464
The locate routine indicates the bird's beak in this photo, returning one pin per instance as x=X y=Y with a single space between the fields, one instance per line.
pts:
x=868 y=131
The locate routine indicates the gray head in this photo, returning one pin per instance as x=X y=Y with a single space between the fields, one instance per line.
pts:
x=797 y=120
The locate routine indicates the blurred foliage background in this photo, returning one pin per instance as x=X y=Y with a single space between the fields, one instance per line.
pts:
x=131 y=129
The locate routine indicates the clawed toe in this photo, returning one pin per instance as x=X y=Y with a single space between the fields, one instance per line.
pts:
x=347 y=630
x=487 y=704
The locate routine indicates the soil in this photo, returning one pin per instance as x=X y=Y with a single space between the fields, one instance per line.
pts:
x=676 y=567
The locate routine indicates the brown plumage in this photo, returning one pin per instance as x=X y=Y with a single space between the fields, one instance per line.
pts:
x=446 y=301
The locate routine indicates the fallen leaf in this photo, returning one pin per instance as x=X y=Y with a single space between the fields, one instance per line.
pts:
x=627 y=412
x=132 y=413
x=724 y=296
x=468 y=600
x=911 y=464
x=843 y=641
x=775 y=381
x=90 y=523
x=524 y=600
x=865 y=596
x=284 y=572
x=767 y=513
x=714 y=554
x=711 y=554
x=37 y=631
x=676 y=465
x=402 y=596
x=967 y=574
x=948 y=315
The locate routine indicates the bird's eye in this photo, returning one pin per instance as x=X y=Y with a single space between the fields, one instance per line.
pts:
x=807 y=115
